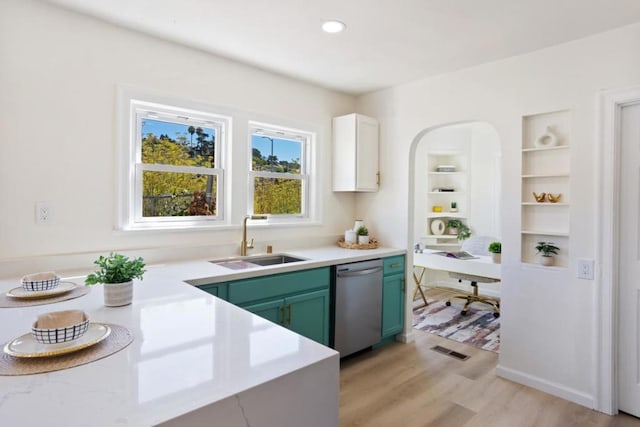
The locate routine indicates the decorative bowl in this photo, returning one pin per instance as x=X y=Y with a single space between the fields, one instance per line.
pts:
x=60 y=326
x=40 y=281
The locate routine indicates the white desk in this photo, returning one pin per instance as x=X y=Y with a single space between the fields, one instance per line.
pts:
x=481 y=266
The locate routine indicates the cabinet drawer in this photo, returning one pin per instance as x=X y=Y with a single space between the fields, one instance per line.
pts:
x=258 y=288
x=393 y=265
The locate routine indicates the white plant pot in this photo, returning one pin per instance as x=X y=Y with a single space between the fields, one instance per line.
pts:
x=363 y=240
x=547 y=261
x=453 y=231
x=497 y=258
x=118 y=294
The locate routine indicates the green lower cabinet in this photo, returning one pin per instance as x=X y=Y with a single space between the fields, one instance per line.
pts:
x=218 y=289
x=270 y=310
x=308 y=315
x=393 y=296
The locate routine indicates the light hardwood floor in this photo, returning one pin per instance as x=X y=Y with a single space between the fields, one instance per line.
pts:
x=412 y=385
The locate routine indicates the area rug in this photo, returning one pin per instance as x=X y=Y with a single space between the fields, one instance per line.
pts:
x=478 y=328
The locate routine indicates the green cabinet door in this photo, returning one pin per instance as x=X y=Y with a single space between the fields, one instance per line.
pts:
x=218 y=289
x=308 y=315
x=392 y=305
x=270 y=310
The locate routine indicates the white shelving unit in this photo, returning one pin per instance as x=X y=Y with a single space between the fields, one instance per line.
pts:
x=545 y=169
x=458 y=182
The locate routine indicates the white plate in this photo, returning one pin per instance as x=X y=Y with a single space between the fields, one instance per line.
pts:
x=27 y=346
x=62 y=288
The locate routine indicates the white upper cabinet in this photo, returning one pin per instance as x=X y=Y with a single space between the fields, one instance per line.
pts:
x=355 y=153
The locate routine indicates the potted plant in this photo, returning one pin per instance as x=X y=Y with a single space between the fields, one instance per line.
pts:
x=363 y=235
x=548 y=251
x=454 y=207
x=495 y=248
x=117 y=273
x=459 y=228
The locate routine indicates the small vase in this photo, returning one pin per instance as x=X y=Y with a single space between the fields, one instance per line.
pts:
x=496 y=258
x=453 y=231
x=118 y=294
x=547 y=261
x=547 y=139
x=363 y=240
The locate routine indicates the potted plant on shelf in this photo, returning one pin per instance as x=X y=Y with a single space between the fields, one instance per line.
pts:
x=459 y=228
x=117 y=273
x=548 y=250
x=454 y=207
x=363 y=235
x=495 y=248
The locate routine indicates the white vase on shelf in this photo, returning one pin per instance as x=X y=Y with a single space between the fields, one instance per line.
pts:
x=547 y=139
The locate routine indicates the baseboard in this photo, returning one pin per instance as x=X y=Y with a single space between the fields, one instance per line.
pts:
x=405 y=337
x=555 y=389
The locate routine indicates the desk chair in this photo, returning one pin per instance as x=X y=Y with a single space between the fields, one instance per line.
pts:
x=477 y=245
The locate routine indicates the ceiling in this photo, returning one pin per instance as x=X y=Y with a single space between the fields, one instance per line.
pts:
x=386 y=42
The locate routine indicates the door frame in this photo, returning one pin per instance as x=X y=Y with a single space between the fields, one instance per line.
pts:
x=607 y=239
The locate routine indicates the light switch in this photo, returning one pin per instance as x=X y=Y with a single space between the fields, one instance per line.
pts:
x=585 y=269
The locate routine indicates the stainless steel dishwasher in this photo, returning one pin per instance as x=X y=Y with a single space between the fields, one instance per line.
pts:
x=358 y=306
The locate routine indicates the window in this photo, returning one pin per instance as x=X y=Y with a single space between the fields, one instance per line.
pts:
x=279 y=173
x=175 y=173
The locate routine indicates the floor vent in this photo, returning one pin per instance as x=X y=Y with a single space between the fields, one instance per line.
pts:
x=449 y=352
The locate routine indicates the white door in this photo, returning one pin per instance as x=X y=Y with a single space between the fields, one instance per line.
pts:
x=629 y=274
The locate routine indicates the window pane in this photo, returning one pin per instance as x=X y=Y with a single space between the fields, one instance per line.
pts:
x=178 y=194
x=277 y=196
x=177 y=144
x=275 y=154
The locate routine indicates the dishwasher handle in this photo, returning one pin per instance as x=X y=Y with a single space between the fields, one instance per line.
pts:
x=351 y=273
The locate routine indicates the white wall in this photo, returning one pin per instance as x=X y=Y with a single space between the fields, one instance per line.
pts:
x=59 y=76
x=548 y=329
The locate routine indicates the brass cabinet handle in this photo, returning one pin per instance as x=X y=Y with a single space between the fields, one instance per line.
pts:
x=282 y=316
x=396 y=265
x=377 y=178
x=289 y=319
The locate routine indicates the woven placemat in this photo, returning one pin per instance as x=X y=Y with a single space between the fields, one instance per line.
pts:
x=119 y=338
x=9 y=302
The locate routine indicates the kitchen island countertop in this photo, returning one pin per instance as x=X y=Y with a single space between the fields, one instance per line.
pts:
x=193 y=357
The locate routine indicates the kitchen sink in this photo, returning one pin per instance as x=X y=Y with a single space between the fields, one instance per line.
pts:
x=241 y=263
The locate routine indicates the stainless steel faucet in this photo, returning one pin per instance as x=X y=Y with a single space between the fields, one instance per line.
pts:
x=244 y=245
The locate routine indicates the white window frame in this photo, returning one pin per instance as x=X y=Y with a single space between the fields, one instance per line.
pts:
x=307 y=139
x=134 y=108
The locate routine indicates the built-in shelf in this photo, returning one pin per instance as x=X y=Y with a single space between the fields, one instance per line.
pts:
x=546 y=233
x=441 y=236
x=452 y=193
x=547 y=175
x=446 y=173
x=557 y=147
x=546 y=165
x=445 y=215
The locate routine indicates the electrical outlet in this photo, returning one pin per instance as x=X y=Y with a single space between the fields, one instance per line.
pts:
x=585 y=269
x=44 y=213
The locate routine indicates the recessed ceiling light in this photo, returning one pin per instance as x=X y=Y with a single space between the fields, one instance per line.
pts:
x=333 y=26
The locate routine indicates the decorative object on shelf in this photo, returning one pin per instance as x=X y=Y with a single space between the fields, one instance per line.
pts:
x=437 y=209
x=350 y=236
x=547 y=250
x=459 y=228
x=445 y=168
x=554 y=198
x=444 y=190
x=547 y=139
x=495 y=248
x=357 y=224
x=454 y=207
x=437 y=227
x=539 y=197
x=117 y=273
x=363 y=235
x=373 y=244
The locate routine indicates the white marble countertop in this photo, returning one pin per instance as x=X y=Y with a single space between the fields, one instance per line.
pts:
x=190 y=349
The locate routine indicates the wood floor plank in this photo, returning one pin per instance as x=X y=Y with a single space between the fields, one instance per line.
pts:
x=410 y=385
